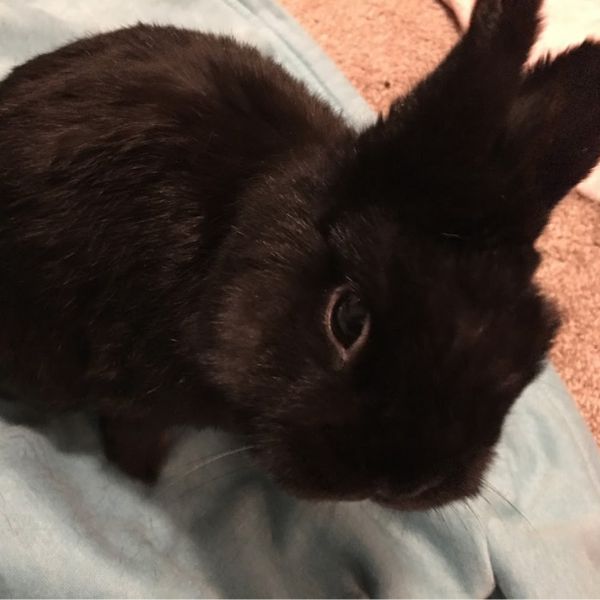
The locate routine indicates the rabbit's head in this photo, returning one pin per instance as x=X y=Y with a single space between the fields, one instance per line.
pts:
x=378 y=316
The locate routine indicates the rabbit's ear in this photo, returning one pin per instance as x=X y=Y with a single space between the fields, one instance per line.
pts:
x=465 y=99
x=424 y=155
x=552 y=136
x=458 y=109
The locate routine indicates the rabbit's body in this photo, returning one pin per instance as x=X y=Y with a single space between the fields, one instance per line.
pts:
x=188 y=236
x=124 y=158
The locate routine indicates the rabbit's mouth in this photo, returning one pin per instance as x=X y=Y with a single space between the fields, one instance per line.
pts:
x=426 y=497
x=459 y=484
x=387 y=497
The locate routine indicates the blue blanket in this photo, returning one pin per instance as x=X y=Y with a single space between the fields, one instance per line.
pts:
x=71 y=525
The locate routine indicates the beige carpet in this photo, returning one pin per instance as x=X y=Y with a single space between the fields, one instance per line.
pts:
x=384 y=46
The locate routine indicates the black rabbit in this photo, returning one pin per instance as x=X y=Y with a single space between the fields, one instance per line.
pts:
x=188 y=236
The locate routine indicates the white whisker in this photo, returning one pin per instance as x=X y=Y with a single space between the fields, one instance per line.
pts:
x=208 y=461
x=474 y=513
x=488 y=486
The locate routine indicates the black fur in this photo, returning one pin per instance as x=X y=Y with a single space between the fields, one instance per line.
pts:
x=176 y=210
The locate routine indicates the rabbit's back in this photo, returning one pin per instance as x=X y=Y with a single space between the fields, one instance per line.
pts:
x=122 y=160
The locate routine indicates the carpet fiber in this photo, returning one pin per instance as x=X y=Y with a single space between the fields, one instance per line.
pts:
x=385 y=46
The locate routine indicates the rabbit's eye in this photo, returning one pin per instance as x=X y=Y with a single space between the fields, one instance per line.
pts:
x=348 y=321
